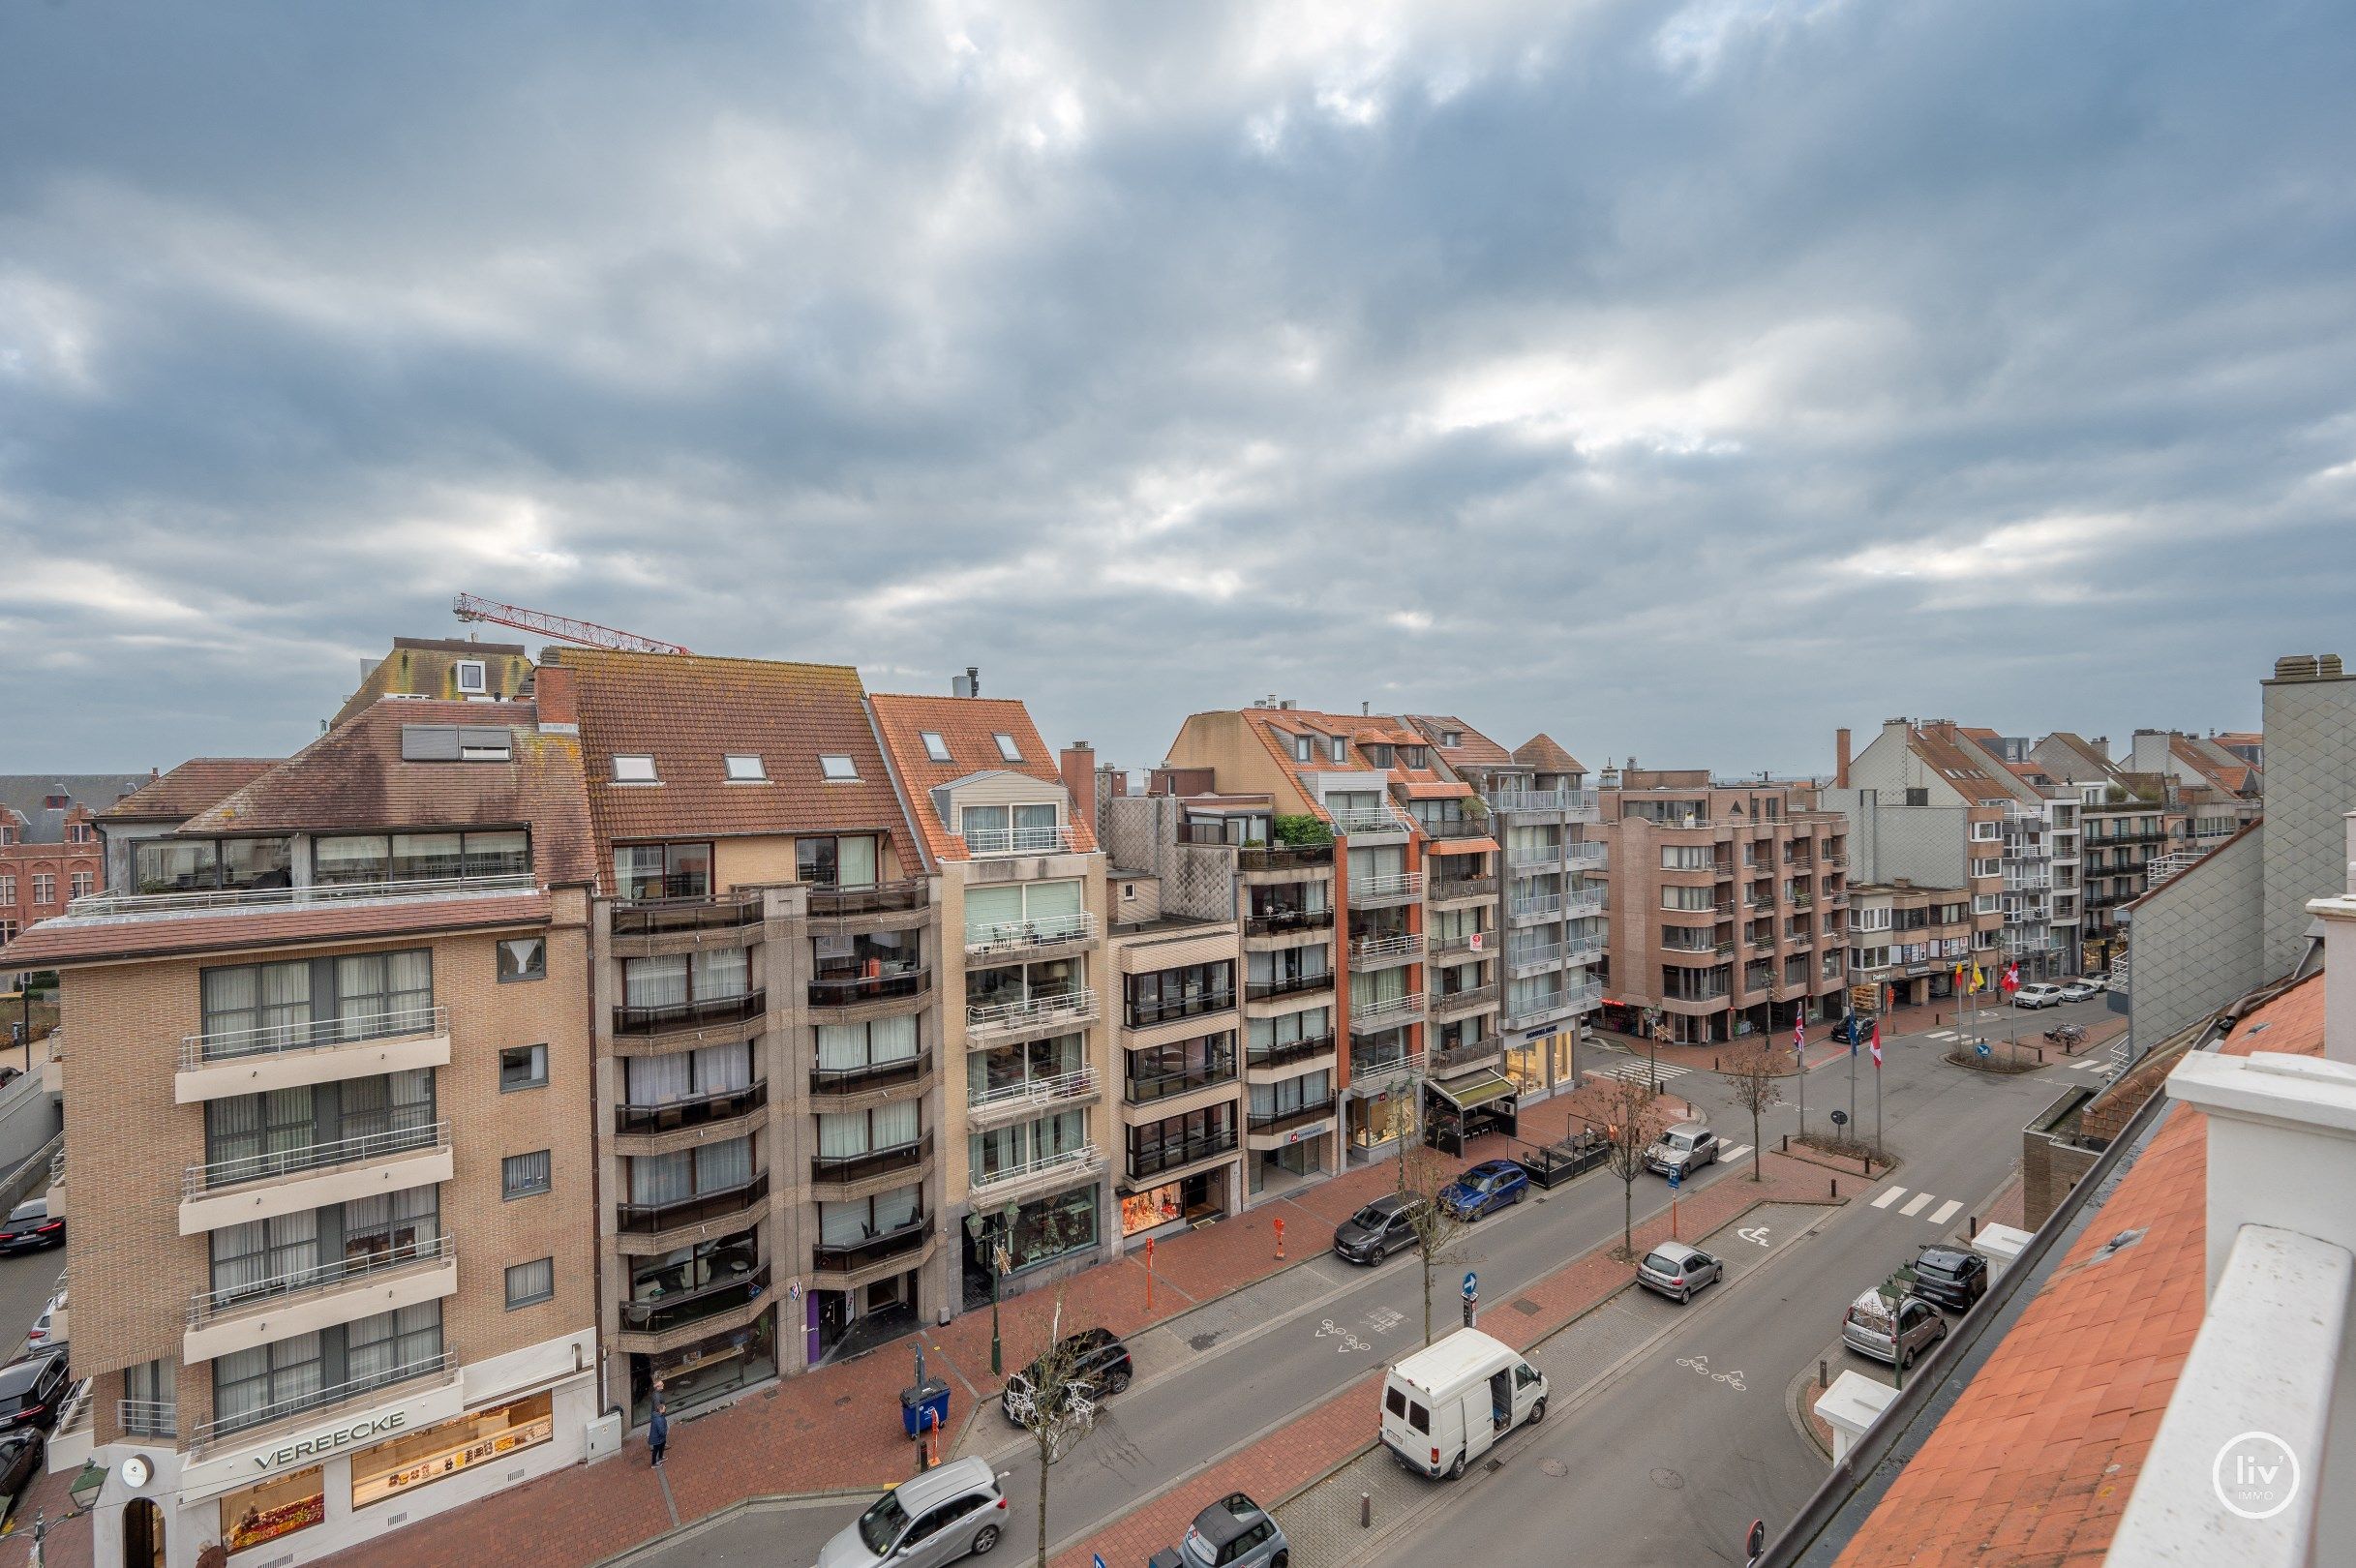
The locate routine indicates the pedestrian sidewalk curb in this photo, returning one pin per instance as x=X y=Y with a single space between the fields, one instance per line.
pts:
x=774 y=1503
x=1795 y=1405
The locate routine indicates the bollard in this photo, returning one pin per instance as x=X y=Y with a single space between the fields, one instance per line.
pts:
x=1713 y=1064
x=1865 y=1163
x=1836 y=1187
x=1366 y=1510
x=1279 y=1239
x=1786 y=1143
x=1823 y=1374
x=1974 y=1232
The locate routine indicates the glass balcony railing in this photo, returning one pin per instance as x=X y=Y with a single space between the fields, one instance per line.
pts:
x=676 y=1309
x=200 y=1180
x=232 y=1045
x=441 y=1364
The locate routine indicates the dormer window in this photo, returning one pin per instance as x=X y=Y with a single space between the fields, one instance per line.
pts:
x=1451 y=739
x=837 y=768
x=471 y=680
x=1376 y=755
x=1304 y=749
x=1007 y=749
x=936 y=749
x=745 y=769
x=634 y=768
x=1339 y=749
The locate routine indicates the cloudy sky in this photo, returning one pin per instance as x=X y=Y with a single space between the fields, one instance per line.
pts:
x=1685 y=382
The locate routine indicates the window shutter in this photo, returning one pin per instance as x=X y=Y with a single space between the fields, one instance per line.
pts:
x=430 y=742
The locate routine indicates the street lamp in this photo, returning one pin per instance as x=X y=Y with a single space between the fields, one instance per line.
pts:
x=995 y=1260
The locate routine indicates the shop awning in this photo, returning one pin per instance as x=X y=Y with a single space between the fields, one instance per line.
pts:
x=1473 y=1089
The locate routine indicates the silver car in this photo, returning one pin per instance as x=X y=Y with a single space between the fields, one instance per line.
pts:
x=1898 y=1336
x=945 y=1514
x=1676 y=1271
x=1684 y=1148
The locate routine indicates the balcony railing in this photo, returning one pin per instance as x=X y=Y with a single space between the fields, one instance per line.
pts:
x=1543 y=905
x=237 y=899
x=146 y=1418
x=1444 y=888
x=866 y=1075
x=1371 y=1067
x=986 y=1181
x=1031 y=1011
x=1527 y=856
x=1545 y=955
x=442 y=1364
x=651 y=1219
x=1398 y=885
x=1135 y=1015
x=1582 y=901
x=1467 y=999
x=1454 y=827
x=1076 y=1085
x=871 y=1163
x=670 y=1017
x=199 y=1179
x=1008 y=936
x=882 y=898
x=1262 y=990
x=856 y=990
x=207 y=1305
x=1389 y=1007
x=1277 y=922
x=231 y=1044
x=676 y=1309
x=980 y=841
x=701 y=1111
x=1146 y=1087
x=1155 y=1158
x=654 y=917
x=1388 y=949
x=1284 y=1121
x=1372 y=820
x=1285 y=858
x=1554 y=1003
x=1284 y=1053
x=1467 y=1056
x=1587 y=855
x=1541 y=799
x=907 y=1241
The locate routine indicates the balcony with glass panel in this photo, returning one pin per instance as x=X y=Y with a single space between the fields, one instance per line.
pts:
x=300 y=1175
x=234 y=1056
x=702 y=1286
x=310 y=1295
x=410 y=1372
x=846 y=1264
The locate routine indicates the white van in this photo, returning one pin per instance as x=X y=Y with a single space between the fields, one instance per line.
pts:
x=1445 y=1407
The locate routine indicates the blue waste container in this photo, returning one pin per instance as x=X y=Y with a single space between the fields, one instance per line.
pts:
x=916 y=1398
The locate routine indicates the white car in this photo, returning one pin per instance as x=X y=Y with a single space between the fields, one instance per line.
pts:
x=2079 y=990
x=45 y=1327
x=2037 y=994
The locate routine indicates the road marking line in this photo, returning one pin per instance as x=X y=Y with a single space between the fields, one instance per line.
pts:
x=1889 y=1195
x=1943 y=1034
x=1915 y=1204
x=1735 y=1153
x=1947 y=1211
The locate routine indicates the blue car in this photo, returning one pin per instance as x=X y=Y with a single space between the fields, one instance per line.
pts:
x=1491 y=1185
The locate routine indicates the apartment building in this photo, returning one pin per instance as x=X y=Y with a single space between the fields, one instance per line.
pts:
x=1730 y=905
x=1906 y=941
x=2198 y=761
x=1414 y=902
x=1549 y=897
x=50 y=849
x=329 y=1189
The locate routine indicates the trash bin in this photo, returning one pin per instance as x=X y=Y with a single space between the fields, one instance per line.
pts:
x=931 y=1394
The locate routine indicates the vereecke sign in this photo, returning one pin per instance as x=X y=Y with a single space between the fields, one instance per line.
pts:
x=364 y=1430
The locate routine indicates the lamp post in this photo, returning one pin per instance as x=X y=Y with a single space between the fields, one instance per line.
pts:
x=994 y=1260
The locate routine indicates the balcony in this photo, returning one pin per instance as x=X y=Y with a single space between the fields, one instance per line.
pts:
x=905 y=896
x=1028 y=1097
x=278 y=900
x=1457 y=890
x=1457 y=1004
x=839 y=993
x=1530 y=960
x=844 y=1170
x=286 y=1181
x=1028 y=937
x=1487 y=1051
x=1571 y=801
x=1589 y=857
x=1265 y=990
x=1567 y=1002
x=146 y=1418
x=1175 y=1009
x=662 y=916
x=983 y=842
x=304 y=1301
x=1264 y=1123
x=1010 y=1184
x=1543 y=907
x=701 y=1209
x=2027 y=881
x=1390 y=1012
x=247 y=1061
x=1289 y=1053
x=1581 y=903
x=676 y=1017
x=1367 y=821
x=1456 y=827
x=903 y=1245
x=1385 y=952
x=1053 y=1009
x=1155 y=1159
x=1285 y=858
x=868 y=1076
x=1283 y=921
x=1528 y=857
x=703 y=1111
x=1146 y=1089
x=676 y=1309
x=441 y=1367
x=1398 y=888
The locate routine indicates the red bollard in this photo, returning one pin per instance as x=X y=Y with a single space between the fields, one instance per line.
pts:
x=1279 y=1238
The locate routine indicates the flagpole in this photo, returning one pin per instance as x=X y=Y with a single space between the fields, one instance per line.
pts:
x=1877 y=1086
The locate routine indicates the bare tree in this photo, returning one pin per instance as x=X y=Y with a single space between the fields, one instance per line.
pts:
x=1423 y=1174
x=1758 y=1084
x=1632 y=1120
x=1053 y=1402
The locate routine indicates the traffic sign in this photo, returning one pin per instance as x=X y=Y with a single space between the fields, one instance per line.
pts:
x=1673 y=1176
x=1981 y=1047
x=1840 y=1117
x=1472 y=1285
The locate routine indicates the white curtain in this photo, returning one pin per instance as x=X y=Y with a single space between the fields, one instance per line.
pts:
x=895 y=1125
x=842 y=1225
x=724 y=1165
x=654 y=983
x=661 y=1179
x=891 y=1040
x=722 y=972
x=896 y=1208
x=854 y=863
x=721 y=1070
x=657 y=1080
x=840 y=1136
x=843 y=1046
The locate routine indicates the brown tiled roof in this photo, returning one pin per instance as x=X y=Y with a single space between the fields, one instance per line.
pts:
x=1945 y=749
x=2037 y=1458
x=690 y=712
x=70 y=940
x=353 y=778
x=969 y=727
x=196 y=785
x=1477 y=750
x=1359 y=729
x=1435 y=788
x=1540 y=752
x=1461 y=846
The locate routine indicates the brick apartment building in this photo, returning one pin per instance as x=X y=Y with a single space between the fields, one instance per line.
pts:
x=1730 y=904
x=329 y=1179
x=49 y=847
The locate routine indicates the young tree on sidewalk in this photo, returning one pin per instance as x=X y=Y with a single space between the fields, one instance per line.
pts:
x=1423 y=1174
x=1754 y=1073
x=1633 y=1120
x=1052 y=1401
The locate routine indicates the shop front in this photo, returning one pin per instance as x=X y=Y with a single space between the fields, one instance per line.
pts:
x=1461 y=1110
x=710 y=1368
x=1190 y=1200
x=1028 y=1238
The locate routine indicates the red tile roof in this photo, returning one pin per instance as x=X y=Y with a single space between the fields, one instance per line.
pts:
x=2035 y=1462
x=1540 y=752
x=1461 y=846
x=1473 y=749
x=1359 y=729
x=969 y=727
x=71 y=940
x=1949 y=753
x=196 y=785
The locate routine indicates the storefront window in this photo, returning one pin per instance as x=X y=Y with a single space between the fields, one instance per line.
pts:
x=1526 y=1064
x=274 y=1508
x=389 y=1468
x=707 y=1370
x=1143 y=1211
x=1051 y=1228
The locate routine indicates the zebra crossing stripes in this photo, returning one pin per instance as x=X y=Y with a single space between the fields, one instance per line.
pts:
x=1915 y=1203
x=1947 y=1211
x=1639 y=1073
x=1889 y=1195
x=1733 y=1153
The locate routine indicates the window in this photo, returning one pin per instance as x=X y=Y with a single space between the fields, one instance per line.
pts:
x=8 y=889
x=44 y=887
x=1680 y=857
x=7 y=932
x=1007 y=749
x=1024 y=912
x=1989 y=868
x=526 y=1067
x=1180 y=993
x=524 y=1175
x=1304 y=749
x=79 y=884
x=997 y=830
x=838 y=769
x=1693 y=899
x=527 y=1283
x=78 y=832
x=845 y=861
x=522 y=959
x=470 y=677
x=350 y=859
x=649 y=872
x=1985 y=831
x=1339 y=748
x=936 y=749
x=634 y=768
x=1451 y=738
x=746 y=770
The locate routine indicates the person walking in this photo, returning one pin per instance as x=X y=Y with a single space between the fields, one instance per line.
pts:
x=658 y=1430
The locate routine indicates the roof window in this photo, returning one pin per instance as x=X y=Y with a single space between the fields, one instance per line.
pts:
x=1007 y=749
x=837 y=768
x=634 y=768
x=471 y=677
x=455 y=742
x=743 y=768
x=935 y=748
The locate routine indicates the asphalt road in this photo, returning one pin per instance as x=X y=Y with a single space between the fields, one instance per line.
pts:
x=1219 y=1378
x=27 y=1281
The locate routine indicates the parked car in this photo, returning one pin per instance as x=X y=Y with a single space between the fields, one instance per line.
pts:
x=1488 y=1187
x=28 y=1225
x=2101 y=983
x=1102 y=1366
x=45 y=1327
x=1374 y=1232
x=1676 y=1271
x=2080 y=989
x=1872 y=1328
x=32 y=1389
x=2037 y=994
x=1233 y=1533
x=953 y=1511
x=1449 y=1404
x=1950 y=1277
x=1684 y=1148
x=22 y=1453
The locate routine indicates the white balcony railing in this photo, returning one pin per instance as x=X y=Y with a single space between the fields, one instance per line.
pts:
x=232 y=900
x=1585 y=950
x=1010 y=935
x=1387 y=949
x=1587 y=856
x=1398 y=885
x=206 y=1304
x=1364 y=819
x=1072 y=1159
x=980 y=841
x=1077 y=1085
x=1031 y=1011
x=1534 y=854
x=1580 y=901
x=1537 y=956
x=1573 y=800
x=200 y=1179
x=232 y=1045
x=442 y=1365
x=1543 y=904
x=1398 y=1006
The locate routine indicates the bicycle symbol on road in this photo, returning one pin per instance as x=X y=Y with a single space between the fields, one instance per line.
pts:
x=1349 y=1342
x=1701 y=1364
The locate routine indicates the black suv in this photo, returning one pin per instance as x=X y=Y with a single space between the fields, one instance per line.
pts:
x=31 y=1391
x=1950 y=1278
x=1374 y=1232
x=1102 y=1366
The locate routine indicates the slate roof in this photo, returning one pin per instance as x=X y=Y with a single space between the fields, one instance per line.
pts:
x=26 y=794
x=2091 y=766
x=1949 y=755
x=196 y=785
x=968 y=726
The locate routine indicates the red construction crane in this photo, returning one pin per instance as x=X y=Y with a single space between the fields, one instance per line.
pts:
x=468 y=607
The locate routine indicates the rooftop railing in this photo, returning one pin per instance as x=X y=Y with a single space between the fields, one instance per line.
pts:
x=232 y=900
x=980 y=841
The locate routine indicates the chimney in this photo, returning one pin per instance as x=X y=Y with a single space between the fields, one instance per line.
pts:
x=1077 y=766
x=551 y=694
x=1840 y=759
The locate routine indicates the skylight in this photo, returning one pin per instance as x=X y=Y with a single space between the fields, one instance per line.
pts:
x=838 y=768
x=746 y=770
x=1007 y=747
x=634 y=768
x=935 y=748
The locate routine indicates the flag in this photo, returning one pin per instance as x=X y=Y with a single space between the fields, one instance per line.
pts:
x=1877 y=1044
x=2011 y=981
x=1979 y=978
x=1799 y=1038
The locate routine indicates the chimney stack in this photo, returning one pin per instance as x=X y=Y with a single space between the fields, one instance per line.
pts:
x=1840 y=759
x=1077 y=767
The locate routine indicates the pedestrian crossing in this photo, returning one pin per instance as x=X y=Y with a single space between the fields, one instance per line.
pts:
x=1734 y=1152
x=1640 y=1072
x=1915 y=1203
x=2089 y=1064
